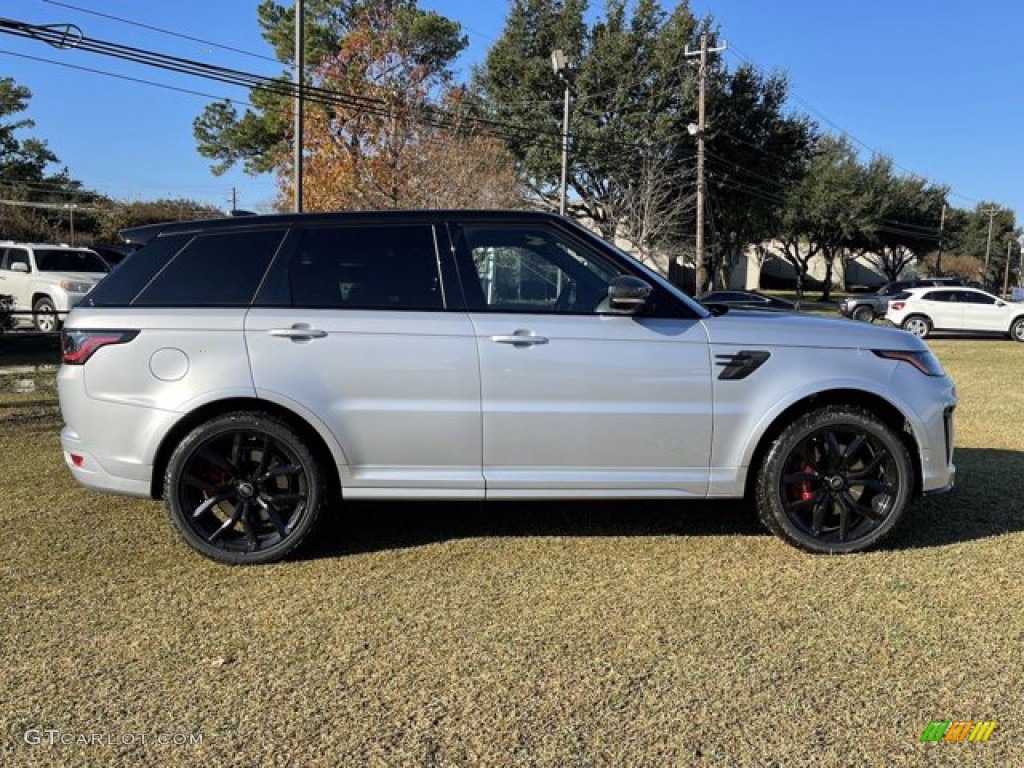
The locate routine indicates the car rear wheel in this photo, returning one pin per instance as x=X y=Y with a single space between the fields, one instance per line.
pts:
x=1017 y=329
x=919 y=325
x=864 y=314
x=836 y=480
x=244 y=488
x=44 y=314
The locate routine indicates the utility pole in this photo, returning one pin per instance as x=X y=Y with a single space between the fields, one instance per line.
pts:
x=300 y=61
x=234 y=199
x=942 y=241
x=698 y=130
x=991 y=212
x=566 y=73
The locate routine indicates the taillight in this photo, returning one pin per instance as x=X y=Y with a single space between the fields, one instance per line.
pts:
x=897 y=304
x=79 y=346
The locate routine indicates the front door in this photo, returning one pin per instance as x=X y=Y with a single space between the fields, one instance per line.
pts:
x=578 y=399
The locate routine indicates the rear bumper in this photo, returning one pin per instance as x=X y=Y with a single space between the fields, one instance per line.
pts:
x=88 y=470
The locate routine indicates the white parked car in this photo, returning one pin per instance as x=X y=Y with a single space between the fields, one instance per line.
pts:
x=252 y=371
x=47 y=280
x=923 y=310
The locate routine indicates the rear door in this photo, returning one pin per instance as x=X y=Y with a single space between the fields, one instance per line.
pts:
x=944 y=308
x=355 y=329
x=580 y=400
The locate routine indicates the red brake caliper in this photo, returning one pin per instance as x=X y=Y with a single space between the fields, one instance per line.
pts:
x=803 y=488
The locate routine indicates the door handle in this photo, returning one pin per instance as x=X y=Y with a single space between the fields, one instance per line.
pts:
x=521 y=337
x=298 y=332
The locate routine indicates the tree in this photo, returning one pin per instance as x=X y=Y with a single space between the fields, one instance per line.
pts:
x=824 y=210
x=35 y=194
x=756 y=154
x=631 y=159
x=969 y=236
x=117 y=216
x=381 y=60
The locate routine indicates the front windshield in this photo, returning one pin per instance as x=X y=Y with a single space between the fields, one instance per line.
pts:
x=67 y=260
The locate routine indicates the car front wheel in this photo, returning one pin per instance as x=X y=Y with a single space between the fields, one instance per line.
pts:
x=836 y=480
x=919 y=325
x=1017 y=329
x=244 y=488
x=45 y=316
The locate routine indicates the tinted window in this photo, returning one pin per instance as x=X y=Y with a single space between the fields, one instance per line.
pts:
x=973 y=297
x=16 y=256
x=63 y=260
x=534 y=270
x=118 y=289
x=946 y=296
x=213 y=270
x=366 y=268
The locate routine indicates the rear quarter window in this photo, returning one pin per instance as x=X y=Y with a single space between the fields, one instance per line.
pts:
x=222 y=269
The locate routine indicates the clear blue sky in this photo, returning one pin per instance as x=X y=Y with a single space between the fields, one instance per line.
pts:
x=936 y=84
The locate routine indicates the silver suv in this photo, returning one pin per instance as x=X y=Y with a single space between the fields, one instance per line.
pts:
x=250 y=371
x=45 y=281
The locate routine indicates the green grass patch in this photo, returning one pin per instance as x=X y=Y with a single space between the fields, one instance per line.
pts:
x=540 y=635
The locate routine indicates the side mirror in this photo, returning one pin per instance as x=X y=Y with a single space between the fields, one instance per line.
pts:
x=19 y=266
x=629 y=294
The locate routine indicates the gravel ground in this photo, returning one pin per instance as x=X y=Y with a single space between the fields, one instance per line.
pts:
x=541 y=635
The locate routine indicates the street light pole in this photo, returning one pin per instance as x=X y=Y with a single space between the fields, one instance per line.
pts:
x=565 y=71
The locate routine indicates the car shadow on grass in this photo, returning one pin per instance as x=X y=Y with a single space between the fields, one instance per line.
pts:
x=987 y=501
x=374 y=526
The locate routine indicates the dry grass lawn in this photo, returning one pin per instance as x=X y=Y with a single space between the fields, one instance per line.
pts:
x=553 y=635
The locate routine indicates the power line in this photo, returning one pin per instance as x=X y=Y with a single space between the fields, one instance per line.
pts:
x=163 y=31
x=129 y=78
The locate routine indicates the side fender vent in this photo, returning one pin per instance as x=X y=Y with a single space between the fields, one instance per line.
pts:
x=740 y=364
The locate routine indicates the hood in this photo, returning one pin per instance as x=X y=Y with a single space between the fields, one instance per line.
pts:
x=797 y=330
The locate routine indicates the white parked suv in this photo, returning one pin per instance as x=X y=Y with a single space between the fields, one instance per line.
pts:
x=957 y=309
x=46 y=281
x=251 y=372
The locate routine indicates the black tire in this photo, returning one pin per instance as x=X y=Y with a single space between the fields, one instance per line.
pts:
x=864 y=314
x=244 y=488
x=1017 y=330
x=919 y=325
x=45 y=317
x=835 y=481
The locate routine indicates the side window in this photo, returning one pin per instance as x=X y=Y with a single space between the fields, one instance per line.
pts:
x=16 y=256
x=973 y=297
x=528 y=269
x=943 y=296
x=354 y=267
x=221 y=269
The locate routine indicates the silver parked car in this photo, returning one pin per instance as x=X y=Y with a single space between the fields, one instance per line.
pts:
x=249 y=371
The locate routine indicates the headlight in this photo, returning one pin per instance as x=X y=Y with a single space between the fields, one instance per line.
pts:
x=72 y=287
x=923 y=360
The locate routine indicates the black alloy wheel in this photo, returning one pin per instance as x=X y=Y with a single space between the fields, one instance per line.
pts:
x=837 y=480
x=243 y=488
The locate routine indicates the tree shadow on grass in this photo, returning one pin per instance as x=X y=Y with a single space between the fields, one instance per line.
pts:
x=987 y=501
x=375 y=526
